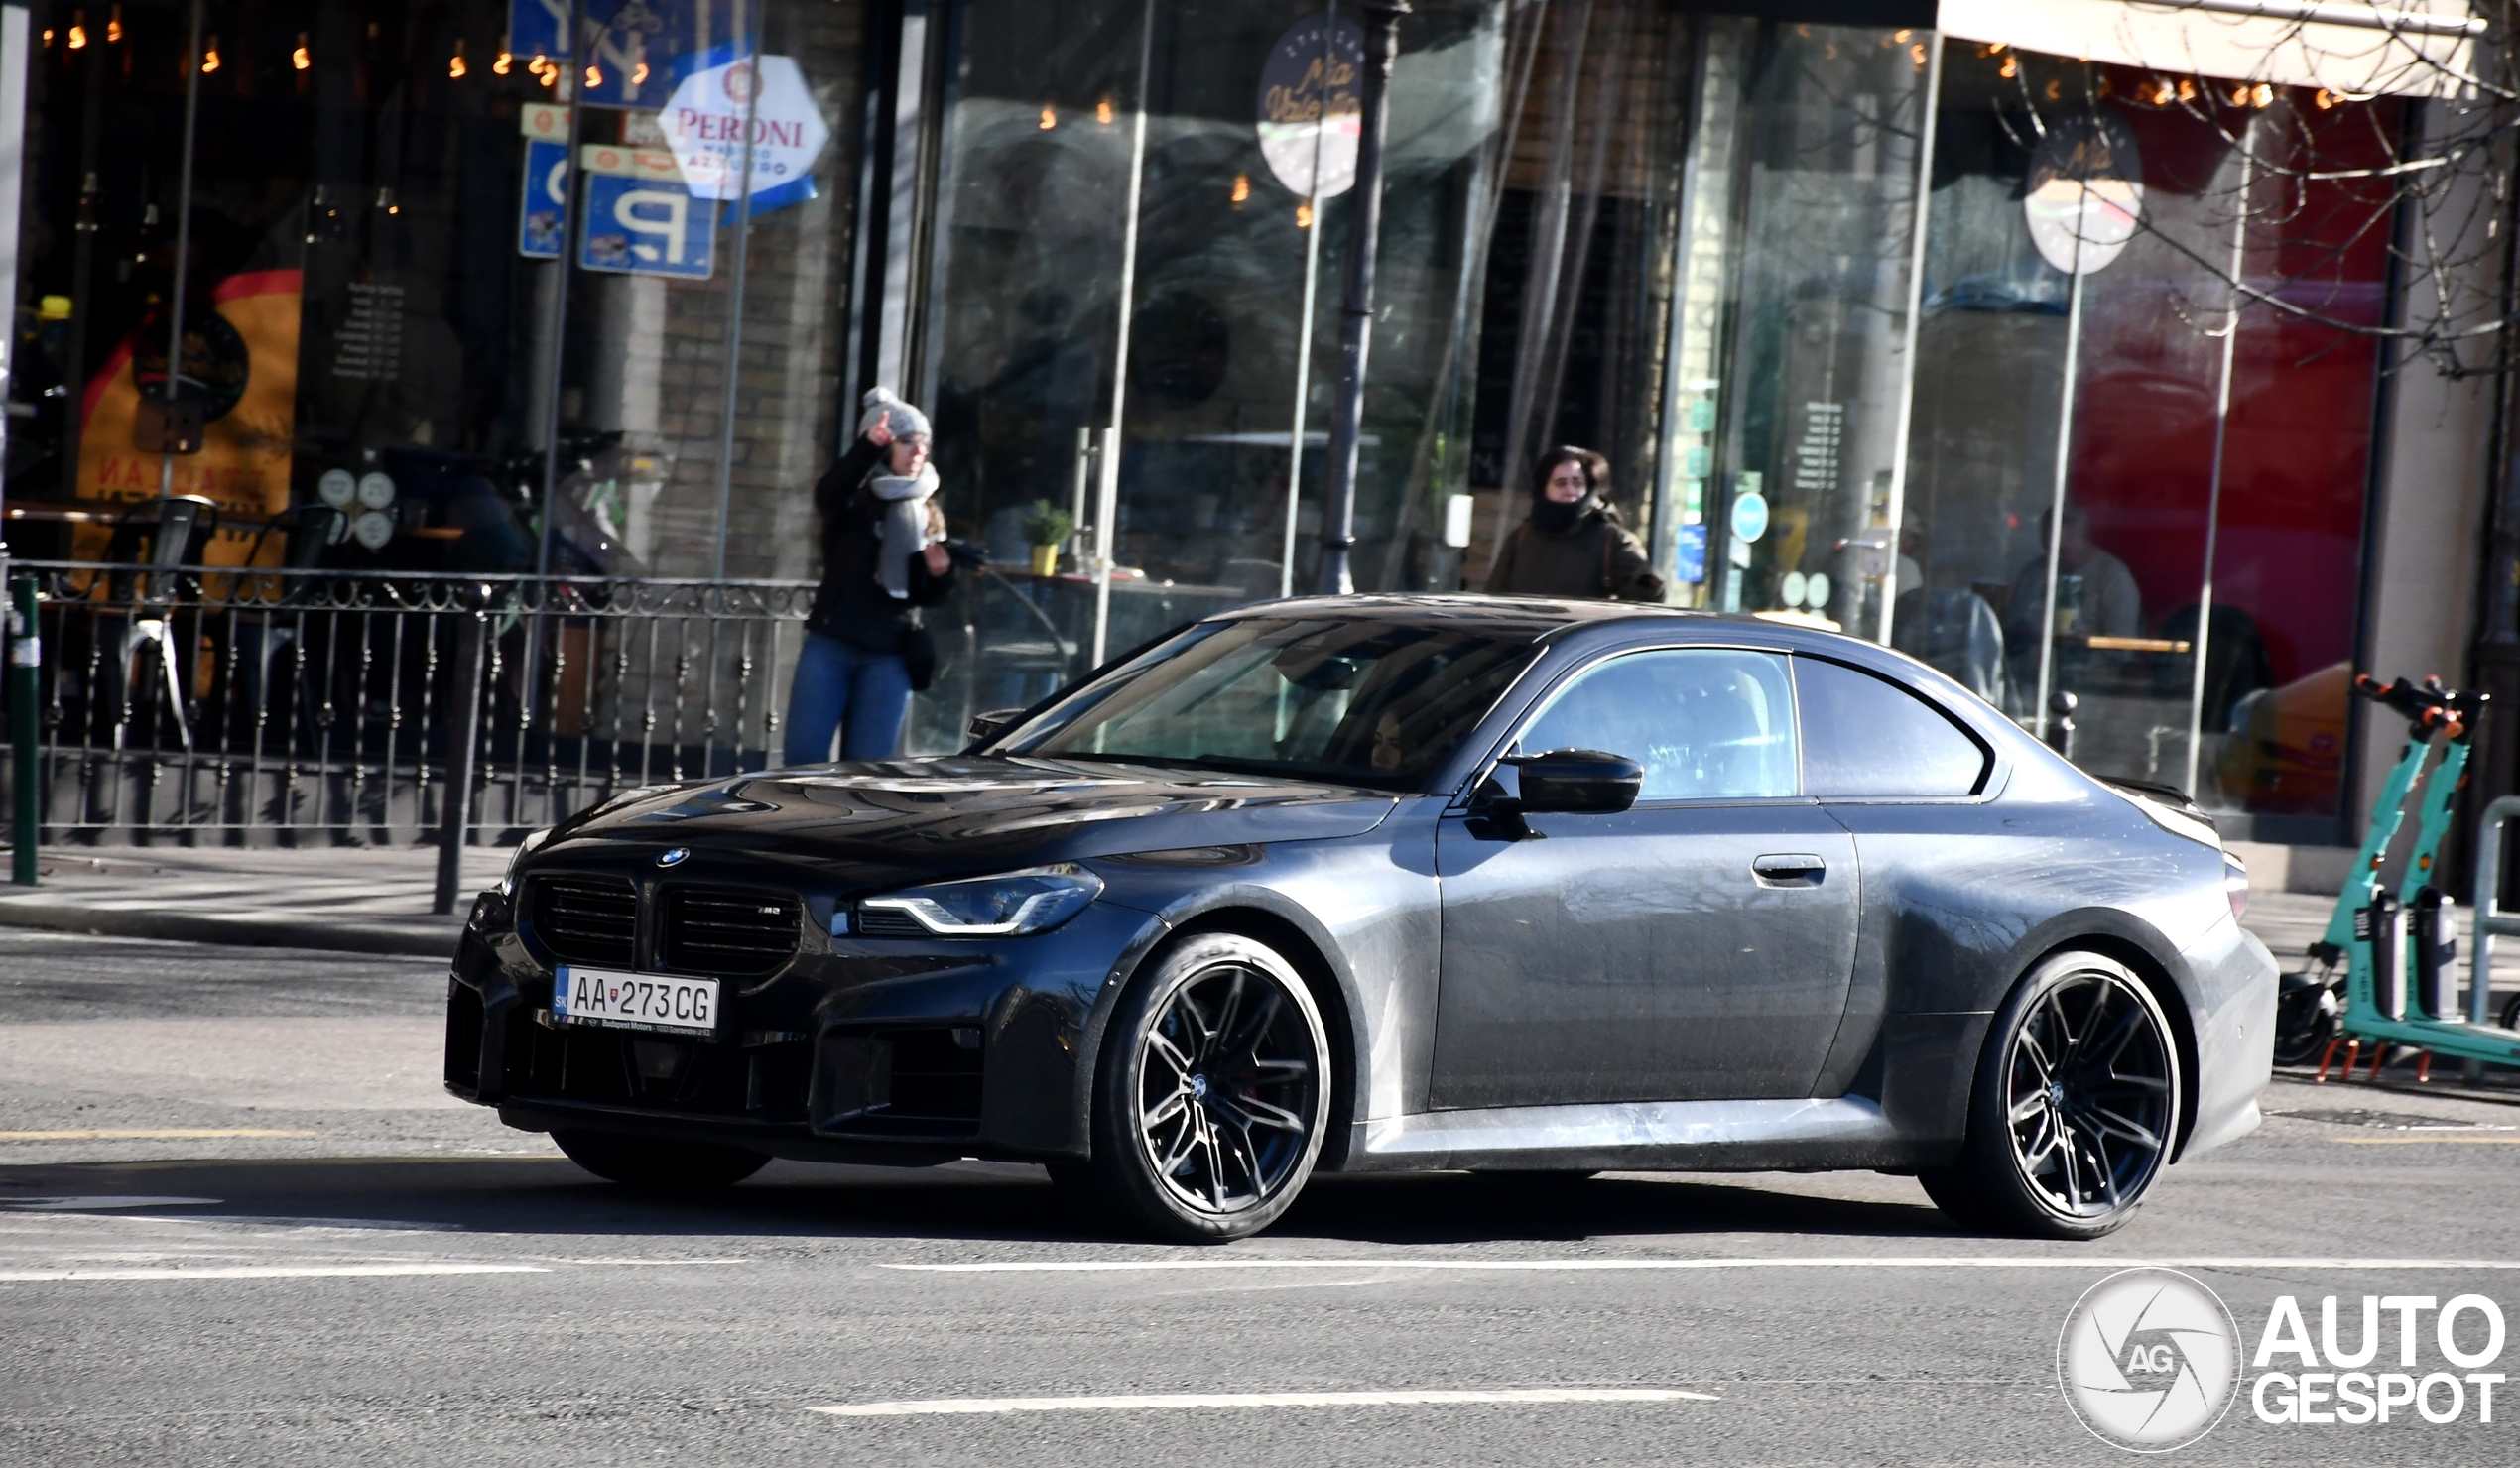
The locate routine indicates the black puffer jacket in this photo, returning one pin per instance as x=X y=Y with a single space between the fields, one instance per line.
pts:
x=851 y=603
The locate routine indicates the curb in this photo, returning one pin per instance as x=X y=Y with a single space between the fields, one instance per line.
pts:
x=387 y=939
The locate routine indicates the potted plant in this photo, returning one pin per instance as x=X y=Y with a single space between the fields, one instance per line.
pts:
x=1046 y=528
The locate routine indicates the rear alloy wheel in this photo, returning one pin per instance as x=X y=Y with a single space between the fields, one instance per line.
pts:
x=2074 y=1109
x=659 y=1166
x=1212 y=1093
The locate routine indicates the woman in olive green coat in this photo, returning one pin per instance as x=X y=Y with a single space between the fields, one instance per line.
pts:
x=1572 y=545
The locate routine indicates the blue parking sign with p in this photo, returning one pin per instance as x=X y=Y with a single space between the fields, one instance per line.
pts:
x=543 y=221
x=646 y=226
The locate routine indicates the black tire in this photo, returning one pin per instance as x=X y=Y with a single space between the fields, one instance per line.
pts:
x=659 y=1166
x=2074 y=1107
x=2302 y=1045
x=1210 y=1097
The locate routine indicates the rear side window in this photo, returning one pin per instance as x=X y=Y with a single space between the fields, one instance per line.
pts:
x=1864 y=736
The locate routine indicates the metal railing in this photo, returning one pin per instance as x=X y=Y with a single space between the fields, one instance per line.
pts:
x=322 y=707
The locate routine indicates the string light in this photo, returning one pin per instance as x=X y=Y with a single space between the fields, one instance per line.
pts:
x=2263 y=96
x=48 y=36
x=640 y=76
x=595 y=74
x=2326 y=99
x=209 y=59
x=1102 y=112
x=454 y=64
x=2010 y=68
x=1050 y=117
x=1242 y=190
x=113 y=27
x=1303 y=216
x=506 y=59
x=2187 y=90
x=2240 y=97
x=79 y=30
x=298 y=57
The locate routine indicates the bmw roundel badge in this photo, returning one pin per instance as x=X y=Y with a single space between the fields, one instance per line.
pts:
x=676 y=857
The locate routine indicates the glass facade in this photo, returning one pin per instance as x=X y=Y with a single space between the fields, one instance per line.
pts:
x=2179 y=424
x=507 y=266
x=369 y=270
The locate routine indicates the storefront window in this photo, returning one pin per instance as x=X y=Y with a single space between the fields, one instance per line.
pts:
x=371 y=284
x=1810 y=398
x=2147 y=388
x=1583 y=244
x=1036 y=276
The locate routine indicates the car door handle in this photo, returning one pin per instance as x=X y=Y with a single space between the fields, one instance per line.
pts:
x=1790 y=869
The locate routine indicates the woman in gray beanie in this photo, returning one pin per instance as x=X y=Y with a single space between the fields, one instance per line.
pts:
x=884 y=557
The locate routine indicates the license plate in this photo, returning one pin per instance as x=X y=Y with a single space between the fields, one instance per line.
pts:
x=622 y=1001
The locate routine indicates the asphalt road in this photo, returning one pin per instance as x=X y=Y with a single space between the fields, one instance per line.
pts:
x=241 y=1224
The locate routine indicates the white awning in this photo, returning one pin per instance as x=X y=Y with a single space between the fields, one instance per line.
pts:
x=2419 y=48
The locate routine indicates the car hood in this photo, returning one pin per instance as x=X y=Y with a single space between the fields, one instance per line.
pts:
x=964 y=813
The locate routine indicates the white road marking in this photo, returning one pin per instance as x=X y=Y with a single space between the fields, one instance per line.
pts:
x=2435 y=1140
x=148 y=1134
x=273 y=1272
x=1177 y=1400
x=652 y=1263
x=1579 y=1265
x=89 y=1204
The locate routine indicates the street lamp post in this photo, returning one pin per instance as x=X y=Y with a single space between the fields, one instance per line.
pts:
x=1356 y=311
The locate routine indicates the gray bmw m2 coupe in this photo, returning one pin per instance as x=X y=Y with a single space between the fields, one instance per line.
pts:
x=1385 y=884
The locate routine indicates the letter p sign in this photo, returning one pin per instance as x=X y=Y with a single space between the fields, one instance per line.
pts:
x=646 y=226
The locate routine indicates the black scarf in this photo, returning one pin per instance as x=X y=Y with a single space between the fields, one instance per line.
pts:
x=1551 y=517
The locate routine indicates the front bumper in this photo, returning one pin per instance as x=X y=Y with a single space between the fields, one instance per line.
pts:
x=858 y=1050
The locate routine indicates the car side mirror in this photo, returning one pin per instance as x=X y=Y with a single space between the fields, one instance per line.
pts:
x=1584 y=781
x=989 y=725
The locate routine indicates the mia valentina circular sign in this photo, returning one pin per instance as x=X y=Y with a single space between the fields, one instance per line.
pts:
x=2086 y=191
x=1310 y=116
x=2149 y=1360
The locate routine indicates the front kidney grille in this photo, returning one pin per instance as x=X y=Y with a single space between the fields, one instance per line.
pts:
x=720 y=930
x=586 y=920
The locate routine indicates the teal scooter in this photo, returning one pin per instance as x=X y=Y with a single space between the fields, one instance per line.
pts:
x=2389 y=931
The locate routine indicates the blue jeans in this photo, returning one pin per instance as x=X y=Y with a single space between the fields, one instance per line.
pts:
x=836 y=682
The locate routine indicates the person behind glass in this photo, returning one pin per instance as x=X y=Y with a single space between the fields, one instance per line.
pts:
x=884 y=557
x=1573 y=544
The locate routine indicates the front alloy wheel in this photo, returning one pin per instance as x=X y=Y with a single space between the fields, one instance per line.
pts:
x=1212 y=1093
x=2076 y=1107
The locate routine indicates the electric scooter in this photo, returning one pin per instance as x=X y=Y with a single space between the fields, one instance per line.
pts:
x=2389 y=945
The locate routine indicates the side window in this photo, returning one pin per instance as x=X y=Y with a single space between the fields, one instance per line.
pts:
x=1867 y=736
x=1707 y=723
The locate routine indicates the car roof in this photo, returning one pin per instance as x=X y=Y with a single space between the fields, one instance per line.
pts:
x=1534 y=617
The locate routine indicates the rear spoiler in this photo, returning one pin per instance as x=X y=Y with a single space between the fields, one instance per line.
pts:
x=2169 y=808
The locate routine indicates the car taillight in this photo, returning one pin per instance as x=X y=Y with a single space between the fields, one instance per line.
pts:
x=2235 y=885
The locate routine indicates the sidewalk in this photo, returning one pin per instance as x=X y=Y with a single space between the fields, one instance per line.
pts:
x=349 y=898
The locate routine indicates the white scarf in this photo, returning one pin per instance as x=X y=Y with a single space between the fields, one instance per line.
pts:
x=905 y=500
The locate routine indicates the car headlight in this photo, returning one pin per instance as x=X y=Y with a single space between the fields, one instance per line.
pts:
x=524 y=849
x=1035 y=900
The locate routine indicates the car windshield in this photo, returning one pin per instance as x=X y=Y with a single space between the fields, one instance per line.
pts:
x=1368 y=704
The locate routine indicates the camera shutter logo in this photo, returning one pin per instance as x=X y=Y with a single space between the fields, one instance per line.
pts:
x=2149 y=1360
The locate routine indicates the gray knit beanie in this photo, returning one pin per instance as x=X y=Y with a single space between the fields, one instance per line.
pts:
x=884 y=406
